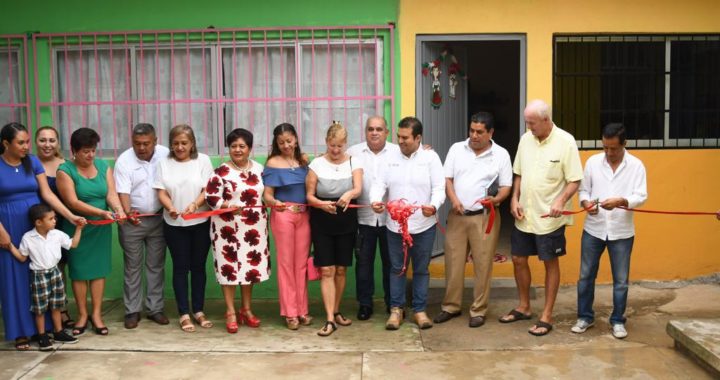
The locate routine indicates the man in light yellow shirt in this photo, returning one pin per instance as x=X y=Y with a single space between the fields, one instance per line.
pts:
x=547 y=174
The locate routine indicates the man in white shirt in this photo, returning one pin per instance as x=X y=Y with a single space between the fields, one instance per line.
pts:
x=475 y=169
x=415 y=175
x=612 y=179
x=134 y=177
x=374 y=153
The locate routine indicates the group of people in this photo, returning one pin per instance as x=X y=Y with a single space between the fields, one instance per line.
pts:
x=337 y=204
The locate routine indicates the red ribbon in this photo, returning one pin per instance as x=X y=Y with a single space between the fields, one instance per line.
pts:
x=668 y=212
x=400 y=211
x=102 y=222
x=566 y=212
x=640 y=210
x=486 y=203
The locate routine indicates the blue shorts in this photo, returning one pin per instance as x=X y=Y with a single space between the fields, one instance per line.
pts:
x=546 y=246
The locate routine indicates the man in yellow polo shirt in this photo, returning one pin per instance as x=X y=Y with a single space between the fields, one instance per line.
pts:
x=547 y=174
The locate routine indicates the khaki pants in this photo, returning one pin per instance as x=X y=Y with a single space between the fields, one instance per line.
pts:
x=465 y=232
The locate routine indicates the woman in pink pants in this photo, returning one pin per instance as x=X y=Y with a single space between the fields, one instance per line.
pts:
x=284 y=178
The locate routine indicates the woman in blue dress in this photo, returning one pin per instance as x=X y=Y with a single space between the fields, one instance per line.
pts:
x=22 y=178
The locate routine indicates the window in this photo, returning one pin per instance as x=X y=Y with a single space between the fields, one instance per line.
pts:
x=13 y=101
x=665 y=89
x=216 y=81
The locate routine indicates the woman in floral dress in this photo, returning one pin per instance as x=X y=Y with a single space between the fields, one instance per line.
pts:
x=239 y=238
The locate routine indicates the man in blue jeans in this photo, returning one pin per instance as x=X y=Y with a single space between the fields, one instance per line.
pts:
x=415 y=175
x=612 y=179
x=371 y=226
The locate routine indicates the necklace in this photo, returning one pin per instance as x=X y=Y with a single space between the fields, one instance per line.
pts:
x=292 y=165
x=247 y=168
x=14 y=166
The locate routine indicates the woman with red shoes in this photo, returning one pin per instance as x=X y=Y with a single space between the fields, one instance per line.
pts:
x=240 y=238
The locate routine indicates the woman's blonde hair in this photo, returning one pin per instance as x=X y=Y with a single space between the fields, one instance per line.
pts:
x=58 y=154
x=187 y=130
x=336 y=132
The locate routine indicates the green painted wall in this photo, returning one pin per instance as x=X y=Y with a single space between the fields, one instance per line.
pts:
x=87 y=16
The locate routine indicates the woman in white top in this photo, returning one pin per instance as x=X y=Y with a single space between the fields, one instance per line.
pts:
x=180 y=180
x=333 y=182
x=240 y=238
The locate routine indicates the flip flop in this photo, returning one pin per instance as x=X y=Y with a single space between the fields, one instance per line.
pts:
x=341 y=320
x=540 y=325
x=327 y=329
x=516 y=316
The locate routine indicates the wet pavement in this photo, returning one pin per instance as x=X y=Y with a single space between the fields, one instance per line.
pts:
x=366 y=350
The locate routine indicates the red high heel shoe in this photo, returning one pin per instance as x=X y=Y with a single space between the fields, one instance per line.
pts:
x=231 y=326
x=244 y=318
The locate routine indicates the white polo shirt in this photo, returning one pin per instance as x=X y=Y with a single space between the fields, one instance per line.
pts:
x=419 y=179
x=600 y=182
x=135 y=177
x=44 y=252
x=372 y=163
x=472 y=173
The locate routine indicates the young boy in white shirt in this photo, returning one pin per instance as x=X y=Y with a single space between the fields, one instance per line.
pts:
x=42 y=244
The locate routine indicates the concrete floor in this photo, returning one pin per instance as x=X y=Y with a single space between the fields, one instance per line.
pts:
x=366 y=351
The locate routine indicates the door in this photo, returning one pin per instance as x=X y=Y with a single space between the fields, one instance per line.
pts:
x=495 y=68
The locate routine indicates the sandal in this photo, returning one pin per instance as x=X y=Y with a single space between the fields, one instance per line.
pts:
x=186 y=324
x=231 y=324
x=306 y=319
x=541 y=325
x=79 y=330
x=328 y=329
x=67 y=321
x=246 y=317
x=99 y=330
x=341 y=320
x=514 y=316
x=22 y=343
x=292 y=323
x=202 y=320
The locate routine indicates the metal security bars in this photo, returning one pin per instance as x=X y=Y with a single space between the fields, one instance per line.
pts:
x=216 y=80
x=664 y=88
x=14 y=100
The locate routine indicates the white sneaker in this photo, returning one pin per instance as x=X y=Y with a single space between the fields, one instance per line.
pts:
x=581 y=326
x=618 y=331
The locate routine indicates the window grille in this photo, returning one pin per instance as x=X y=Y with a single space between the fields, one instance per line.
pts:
x=664 y=88
x=14 y=102
x=218 y=80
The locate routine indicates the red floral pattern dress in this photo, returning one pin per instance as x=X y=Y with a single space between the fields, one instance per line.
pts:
x=239 y=241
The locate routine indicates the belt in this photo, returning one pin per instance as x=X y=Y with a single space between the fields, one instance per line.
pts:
x=473 y=212
x=296 y=209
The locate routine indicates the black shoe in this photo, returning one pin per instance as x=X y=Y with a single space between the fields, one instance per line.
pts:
x=477 y=321
x=444 y=316
x=364 y=313
x=132 y=320
x=63 y=337
x=159 y=318
x=44 y=342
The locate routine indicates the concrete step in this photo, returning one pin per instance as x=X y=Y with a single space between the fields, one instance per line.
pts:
x=699 y=339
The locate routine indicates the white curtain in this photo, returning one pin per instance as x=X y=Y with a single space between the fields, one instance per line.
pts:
x=86 y=77
x=338 y=71
x=259 y=73
x=189 y=79
x=10 y=88
x=260 y=87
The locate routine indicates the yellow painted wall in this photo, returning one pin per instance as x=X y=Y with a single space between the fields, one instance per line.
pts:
x=666 y=247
